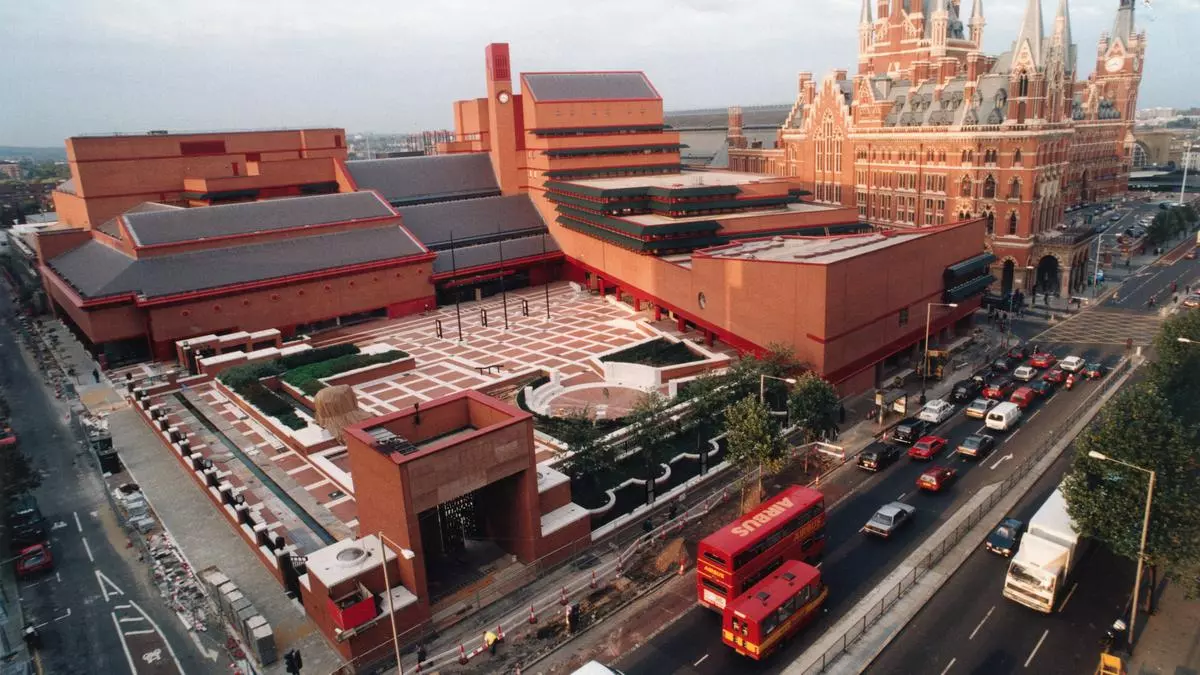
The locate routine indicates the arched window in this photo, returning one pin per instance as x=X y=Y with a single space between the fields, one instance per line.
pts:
x=1023 y=85
x=991 y=223
x=989 y=187
x=1021 y=112
x=1012 y=223
x=1017 y=157
x=964 y=156
x=964 y=188
x=1014 y=189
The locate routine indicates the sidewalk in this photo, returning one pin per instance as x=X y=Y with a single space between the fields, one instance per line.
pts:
x=1170 y=642
x=13 y=658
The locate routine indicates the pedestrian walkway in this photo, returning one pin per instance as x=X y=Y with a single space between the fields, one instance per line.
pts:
x=13 y=658
x=1170 y=642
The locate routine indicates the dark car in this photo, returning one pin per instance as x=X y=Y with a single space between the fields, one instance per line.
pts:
x=1003 y=364
x=976 y=445
x=999 y=390
x=1094 y=371
x=25 y=520
x=984 y=376
x=878 y=456
x=1006 y=538
x=1042 y=388
x=909 y=430
x=965 y=390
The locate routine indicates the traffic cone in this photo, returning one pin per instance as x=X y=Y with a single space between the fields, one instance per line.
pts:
x=562 y=599
x=532 y=616
x=593 y=582
x=462 y=655
x=682 y=565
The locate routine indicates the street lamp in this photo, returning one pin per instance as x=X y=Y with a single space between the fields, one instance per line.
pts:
x=1137 y=582
x=1186 y=341
x=762 y=385
x=928 y=315
x=1096 y=269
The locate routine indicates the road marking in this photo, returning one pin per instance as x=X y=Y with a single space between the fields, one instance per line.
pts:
x=131 y=619
x=1000 y=461
x=58 y=525
x=1035 y=414
x=700 y=661
x=105 y=584
x=901 y=497
x=124 y=645
x=121 y=606
x=162 y=635
x=981 y=622
x=78 y=525
x=64 y=616
x=1068 y=598
x=88 y=549
x=148 y=631
x=58 y=575
x=1036 y=647
x=947 y=668
x=213 y=655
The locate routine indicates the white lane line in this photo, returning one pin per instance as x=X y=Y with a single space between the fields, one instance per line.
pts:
x=148 y=631
x=901 y=497
x=122 y=606
x=105 y=585
x=947 y=668
x=1069 y=594
x=160 y=634
x=125 y=646
x=1036 y=647
x=64 y=616
x=130 y=619
x=88 y=549
x=210 y=654
x=700 y=661
x=58 y=575
x=981 y=622
x=1035 y=414
x=78 y=525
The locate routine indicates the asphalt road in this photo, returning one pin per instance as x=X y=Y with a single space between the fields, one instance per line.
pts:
x=968 y=627
x=854 y=563
x=97 y=612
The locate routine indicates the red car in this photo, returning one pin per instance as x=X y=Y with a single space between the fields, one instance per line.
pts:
x=936 y=478
x=1023 y=397
x=927 y=448
x=1055 y=376
x=7 y=437
x=34 y=559
x=1043 y=360
x=998 y=390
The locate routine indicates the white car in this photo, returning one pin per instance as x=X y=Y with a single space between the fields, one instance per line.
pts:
x=936 y=411
x=1025 y=373
x=1072 y=364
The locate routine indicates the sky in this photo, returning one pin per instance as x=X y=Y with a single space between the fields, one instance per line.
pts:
x=99 y=66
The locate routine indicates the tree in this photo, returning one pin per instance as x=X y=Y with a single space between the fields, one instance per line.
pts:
x=709 y=398
x=17 y=475
x=779 y=361
x=752 y=437
x=589 y=457
x=650 y=431
x=1107 y=500
x=1176 y=367
x=813 y=405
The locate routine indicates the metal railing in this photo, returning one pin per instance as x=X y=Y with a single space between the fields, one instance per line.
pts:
x=935 y=554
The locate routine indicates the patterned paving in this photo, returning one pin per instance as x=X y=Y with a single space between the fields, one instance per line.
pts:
x=1105 y=327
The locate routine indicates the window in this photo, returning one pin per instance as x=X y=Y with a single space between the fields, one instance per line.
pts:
x=1017 y=157
x=1012 y=223
x=964 y=188
x=1014 y=189
x=991 y=223
x=989 y=187
x=904 y=317
x=1023 y=85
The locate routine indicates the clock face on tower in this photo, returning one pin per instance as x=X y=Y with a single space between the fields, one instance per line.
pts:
x=503 y=97
x=1114 y=64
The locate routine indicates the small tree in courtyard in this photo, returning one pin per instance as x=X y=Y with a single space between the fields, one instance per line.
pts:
x=813 y=406
x=650 y=431
x=709 y=398
x=589 y=458
x=753 y=438
x=1107 y=500
x=779 y=361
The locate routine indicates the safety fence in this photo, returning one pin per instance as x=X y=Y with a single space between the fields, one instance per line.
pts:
x=935 y=554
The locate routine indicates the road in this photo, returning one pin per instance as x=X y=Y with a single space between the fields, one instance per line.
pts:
x=854 y=563
x=98 y=612
x=968 y=627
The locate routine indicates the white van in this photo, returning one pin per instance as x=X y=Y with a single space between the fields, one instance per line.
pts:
x=595 y=668
x=1003 y=417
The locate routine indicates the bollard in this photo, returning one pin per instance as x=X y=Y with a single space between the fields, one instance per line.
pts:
x=532 y=616
x=593 y=581
x=682 y=565
x=562 y=599
x=462 y=655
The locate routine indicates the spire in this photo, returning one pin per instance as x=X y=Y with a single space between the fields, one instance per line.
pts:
x=865 y=17
x=1062 y=35
x=1031 y=32
x=977 y=24
x=1123 y=26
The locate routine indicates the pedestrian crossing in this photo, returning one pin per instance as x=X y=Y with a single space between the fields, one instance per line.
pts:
x=1104 y=326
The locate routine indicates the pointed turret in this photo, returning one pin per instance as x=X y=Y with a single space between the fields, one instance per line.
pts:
x=865 y=16
x=1123 y=26
x=977 y=24
x=1062 y=35
x=866 y=34
x=1030 y=35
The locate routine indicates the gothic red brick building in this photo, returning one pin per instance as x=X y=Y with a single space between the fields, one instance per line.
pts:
x=931 y=130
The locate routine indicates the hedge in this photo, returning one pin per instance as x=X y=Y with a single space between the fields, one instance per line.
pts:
x=271 y=403
x=308 y=356
x=308 y=378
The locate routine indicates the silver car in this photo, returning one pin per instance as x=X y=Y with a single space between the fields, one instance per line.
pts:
x=889 y=518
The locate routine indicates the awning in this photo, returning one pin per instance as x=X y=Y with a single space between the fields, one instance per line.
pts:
x=973 y=287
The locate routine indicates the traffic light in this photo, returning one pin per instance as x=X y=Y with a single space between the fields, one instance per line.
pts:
x=292 y=661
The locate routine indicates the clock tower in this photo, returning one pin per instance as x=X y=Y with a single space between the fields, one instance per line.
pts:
x=1119 y=61
x=502 y=125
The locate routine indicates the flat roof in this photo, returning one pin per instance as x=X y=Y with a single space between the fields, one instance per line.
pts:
x=815 y=250
x=678 y=181
x=789 y=209
x=347 y=559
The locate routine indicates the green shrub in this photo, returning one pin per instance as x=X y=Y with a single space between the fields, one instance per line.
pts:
x=307 y=378
x=658 y=353
x=239 y=377
x=308 y=356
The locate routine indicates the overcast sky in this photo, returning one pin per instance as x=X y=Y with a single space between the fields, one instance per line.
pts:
x=92 y=66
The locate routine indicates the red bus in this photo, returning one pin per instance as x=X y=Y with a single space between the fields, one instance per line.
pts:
x=788 y=526
x=774 y=609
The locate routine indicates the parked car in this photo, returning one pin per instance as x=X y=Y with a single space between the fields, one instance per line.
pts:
x=1192 y=301
x=977 y=445
x=33 y=560
x=965 y=390
x=1023 y=397
x=1042 y=388
x=999 y=390
x=1072 y=364
x=927 y=448
x=909 y=430
x=1043 y=360
x=1006 y=538
x=1025 y=373
x=1003 y=364
x=878 y=456
x=936 y=411
x=7 y=436
x=1094 y=371
x=1190 y=255
x=1055 y=376
x=935 y=478
x=979 y=407
x=889 y=518
x=25 y=521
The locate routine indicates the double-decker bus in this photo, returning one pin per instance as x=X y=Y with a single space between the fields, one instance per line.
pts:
x=788 y=526
x=774 y=609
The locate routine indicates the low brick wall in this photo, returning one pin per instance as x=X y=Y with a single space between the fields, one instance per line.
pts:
x=371 y=373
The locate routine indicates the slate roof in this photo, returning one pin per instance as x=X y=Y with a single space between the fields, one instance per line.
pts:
x=113 y=229
x=466 y=257
x=925 y=107
x=96 y=271
x=173 y=226
x=613 y=86
x=415 y=180
x=472 y=219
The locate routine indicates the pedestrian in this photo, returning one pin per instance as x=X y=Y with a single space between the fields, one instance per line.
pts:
x=841 y=413
x=490 y=639
x=421 y=654
x=96 y=375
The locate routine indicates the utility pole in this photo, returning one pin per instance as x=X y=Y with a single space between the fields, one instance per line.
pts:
x=453 y=280
x=503 y=291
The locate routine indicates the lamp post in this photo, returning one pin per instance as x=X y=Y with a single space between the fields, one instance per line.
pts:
x=762 y=385
x=1137 y=582
x=1096 y=269
x=390 y=607
x=928 y=316
x=1186 y=341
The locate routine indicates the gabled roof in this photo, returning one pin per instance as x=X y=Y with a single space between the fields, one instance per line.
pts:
x=113 y=228
x=466 y=257
x=472 y=219
x=150 y=228
x=420 y=180
x=96 y=271
x=606 y=86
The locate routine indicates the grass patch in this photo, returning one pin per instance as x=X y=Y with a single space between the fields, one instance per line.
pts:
x=307 y=378
x=658 y=353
